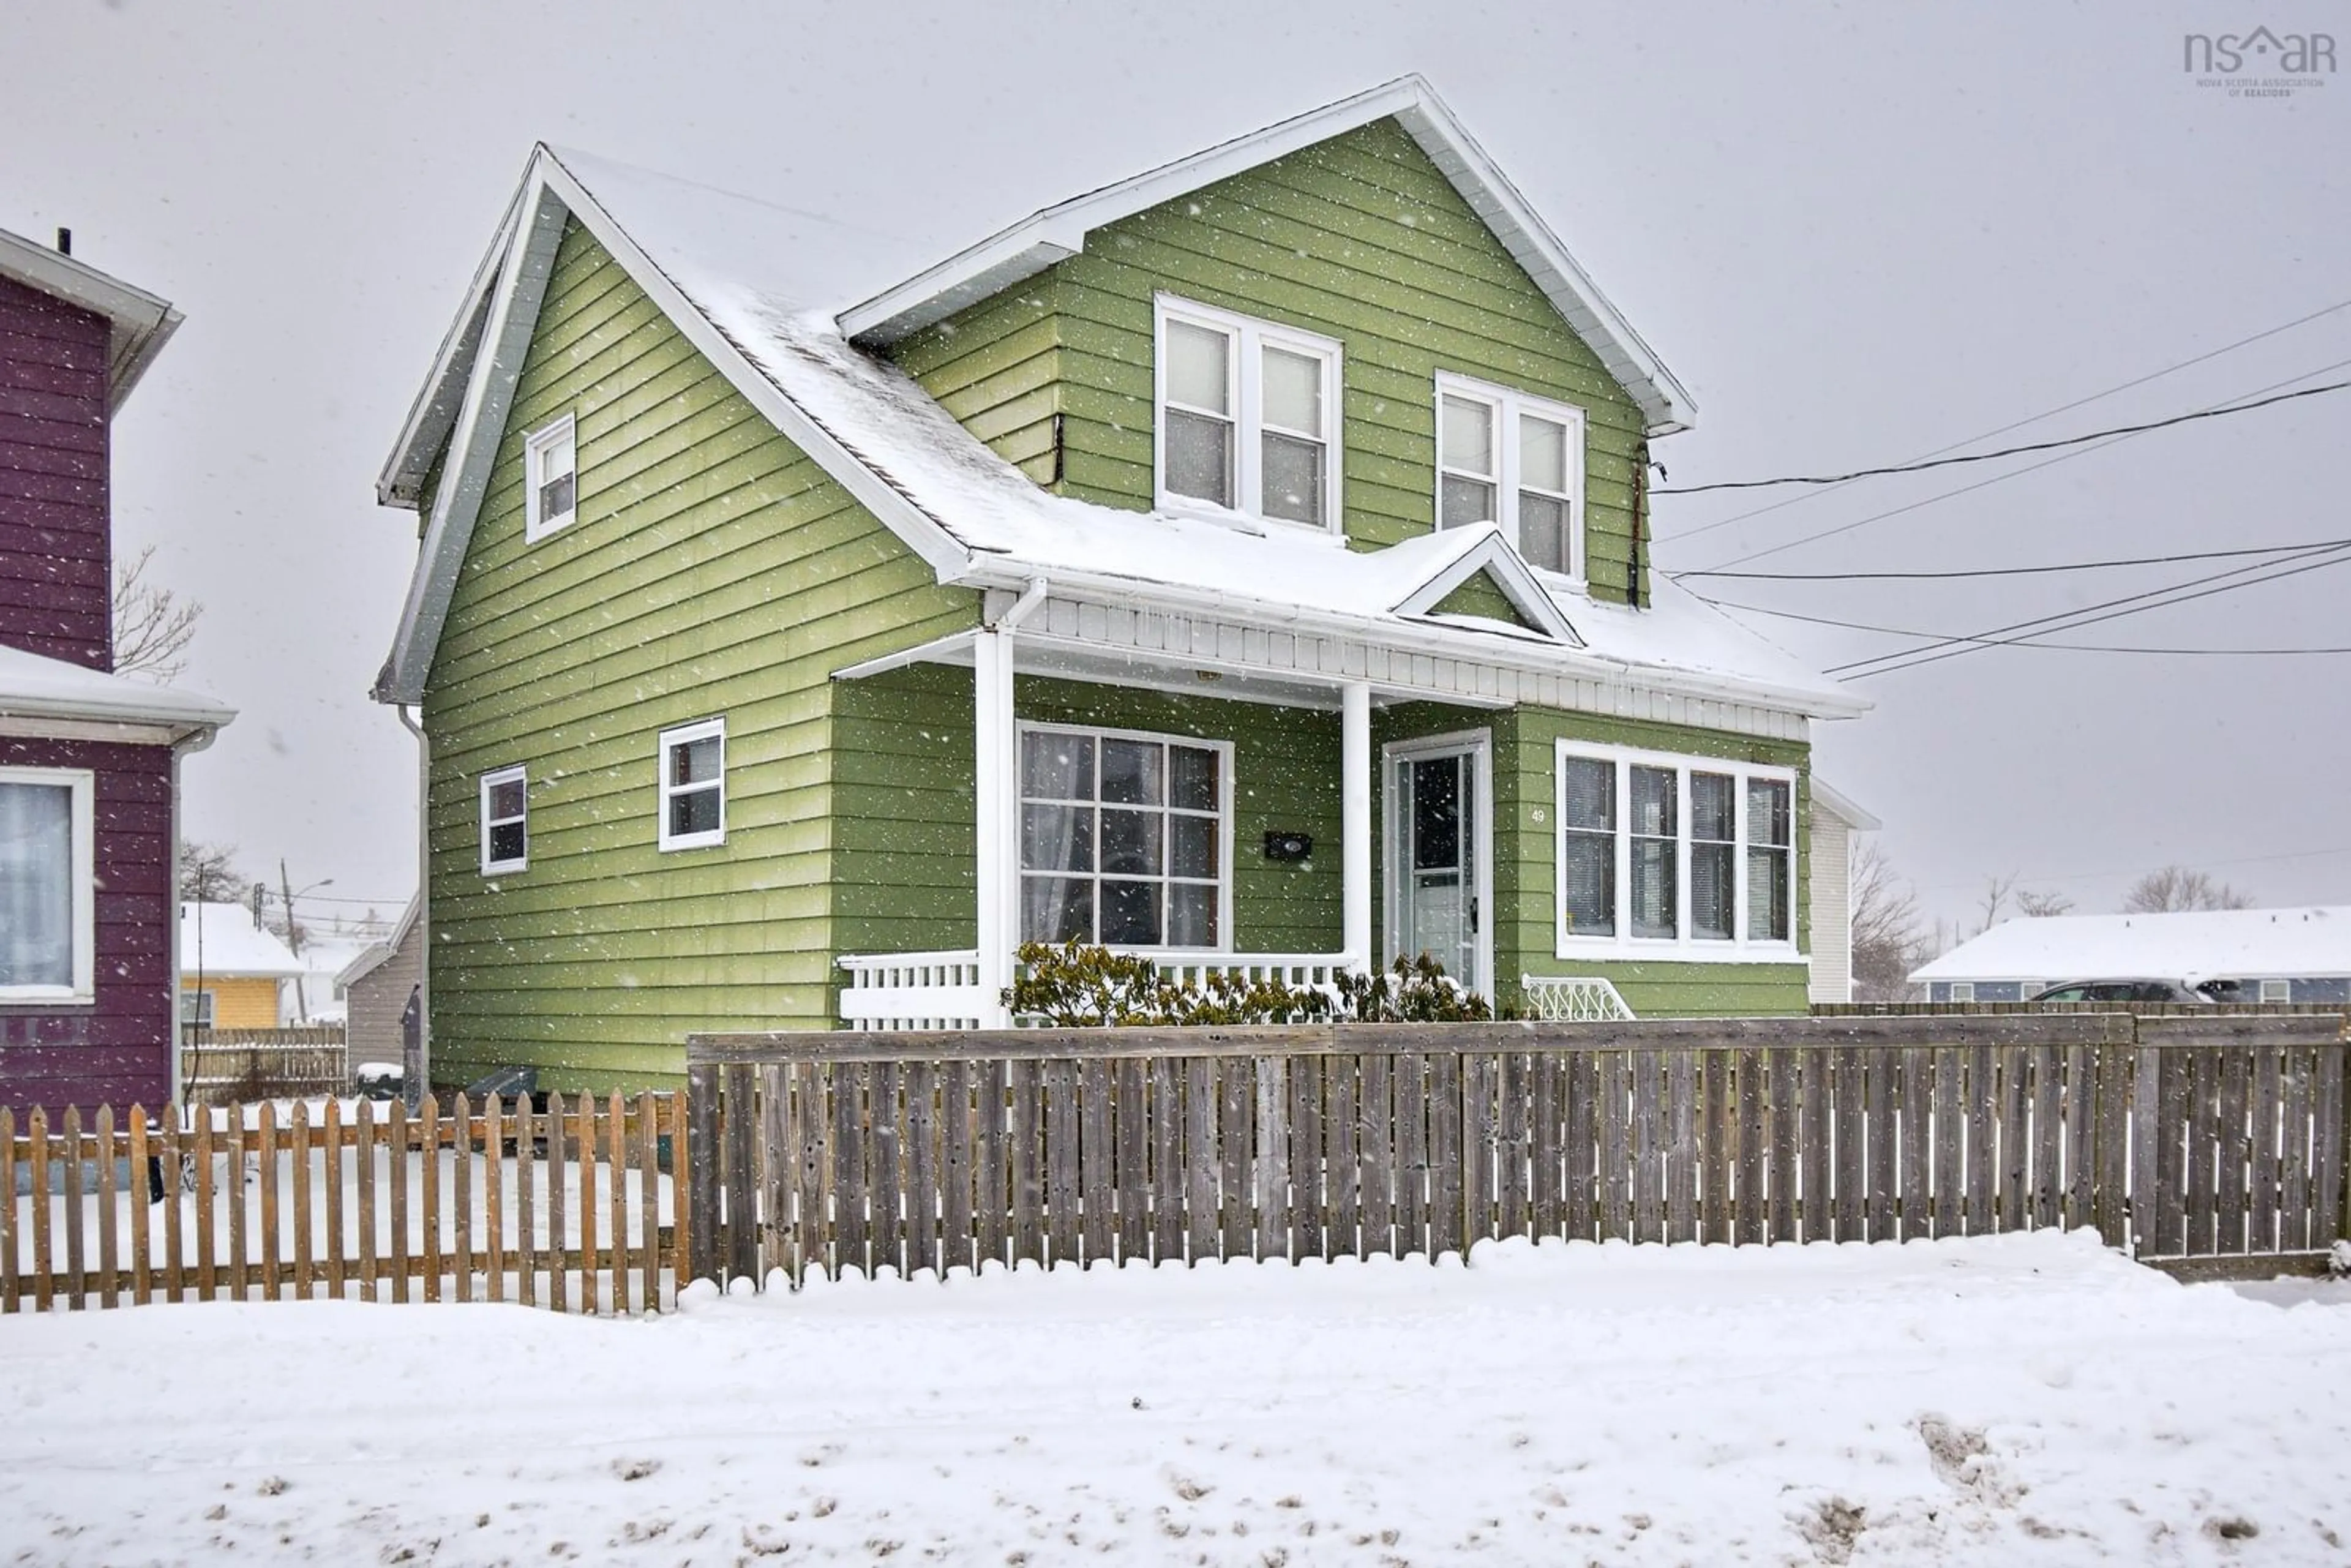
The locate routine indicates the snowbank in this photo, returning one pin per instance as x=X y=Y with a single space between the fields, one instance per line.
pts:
x=2030 y=1399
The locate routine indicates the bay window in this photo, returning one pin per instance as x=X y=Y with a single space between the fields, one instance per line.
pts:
x=1124 y=839
x=47 y=884
x=1247 y=416
x=1664 y=855
x=1513 y=459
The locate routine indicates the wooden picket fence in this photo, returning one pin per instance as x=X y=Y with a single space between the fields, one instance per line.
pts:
x=235 y=1066
x=561 y=1206
x=2175 y=1137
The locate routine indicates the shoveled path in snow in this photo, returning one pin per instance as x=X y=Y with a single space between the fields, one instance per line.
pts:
x=2019 y=1400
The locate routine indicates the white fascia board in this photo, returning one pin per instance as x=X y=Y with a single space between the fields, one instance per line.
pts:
x=434 y=411
x=489 y=391
x=1039 y=241
x=1417 y=637
x=549 y=194
x=1494 y=556
x=139 y=323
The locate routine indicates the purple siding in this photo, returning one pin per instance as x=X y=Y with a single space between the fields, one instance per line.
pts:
x=54 y=548
x=117 y=1049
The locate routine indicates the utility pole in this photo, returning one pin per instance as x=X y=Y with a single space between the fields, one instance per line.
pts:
x=293 y=941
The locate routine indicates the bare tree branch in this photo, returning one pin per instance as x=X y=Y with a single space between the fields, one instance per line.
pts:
x=209 y=874
x=1886 y=941
x=2041 y=905
x=2176 y=888
x=153 y=625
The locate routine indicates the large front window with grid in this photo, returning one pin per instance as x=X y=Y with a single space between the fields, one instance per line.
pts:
x=1124 y=839
x=1686 y=853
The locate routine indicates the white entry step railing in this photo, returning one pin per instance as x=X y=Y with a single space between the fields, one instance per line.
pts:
x=1564 y=998
x=942 y=990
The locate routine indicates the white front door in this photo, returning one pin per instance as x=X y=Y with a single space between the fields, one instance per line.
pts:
x=1441 y=856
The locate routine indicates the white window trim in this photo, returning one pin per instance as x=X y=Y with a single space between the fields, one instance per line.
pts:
x=535 y=449
x=1684 y=948
x=1226 y=787
x=83 y=850
x=685 y=733
x=1507 y=404
x=1246 y=393
x=489 y=781
x=206 y=1006
x=2284 y=992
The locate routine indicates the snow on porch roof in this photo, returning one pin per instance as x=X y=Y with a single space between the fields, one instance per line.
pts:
x=740 y=279
x=2225 y=943
x=32 y=686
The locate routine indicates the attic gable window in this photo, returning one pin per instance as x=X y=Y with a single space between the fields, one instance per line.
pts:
x=551 y=458
x=1513 y=459
x=1247 y=416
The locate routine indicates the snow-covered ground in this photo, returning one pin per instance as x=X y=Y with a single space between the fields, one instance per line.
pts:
x=2029 y=1399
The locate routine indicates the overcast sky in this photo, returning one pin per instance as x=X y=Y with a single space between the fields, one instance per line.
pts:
x=1857 y=234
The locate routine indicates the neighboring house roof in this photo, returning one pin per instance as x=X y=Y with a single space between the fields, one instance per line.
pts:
x=376 y=955
x=1058 y=232
x=44 y=689
x=2224 y=944
x=1842 y=808
x=743 y=282
x=231 y=946
x=140 y=323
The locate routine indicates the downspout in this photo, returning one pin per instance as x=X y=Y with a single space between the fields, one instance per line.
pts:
x=423 y=930
x=186 y=746
x=996 y=761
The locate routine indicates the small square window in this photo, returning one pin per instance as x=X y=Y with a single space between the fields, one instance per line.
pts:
x=550 y=478
x=505 y=828
x=693 y=785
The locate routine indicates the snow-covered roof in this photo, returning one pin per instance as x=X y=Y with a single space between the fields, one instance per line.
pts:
x=1840 y=806
x=749 y=282
x=375 y=955
x=1058 y=232
x=139 y=324
x=33 y=686
x=224 y=940
x=2222 y=944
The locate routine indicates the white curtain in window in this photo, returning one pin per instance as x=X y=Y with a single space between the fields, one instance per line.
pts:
x=35 y=885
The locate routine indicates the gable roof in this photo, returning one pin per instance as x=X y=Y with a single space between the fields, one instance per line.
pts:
x=139 y=324
x=1482 y=551
x=1058 y=232
x=2218 y=943
x=746 y=282
x=232 y=947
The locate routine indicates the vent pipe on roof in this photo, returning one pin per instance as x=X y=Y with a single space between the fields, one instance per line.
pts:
x=65 y=240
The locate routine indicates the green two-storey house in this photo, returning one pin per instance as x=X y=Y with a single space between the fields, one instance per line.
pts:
x=1246 y=563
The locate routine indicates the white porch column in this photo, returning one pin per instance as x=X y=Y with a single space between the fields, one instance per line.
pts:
x=1355 y=821
x=994 y=759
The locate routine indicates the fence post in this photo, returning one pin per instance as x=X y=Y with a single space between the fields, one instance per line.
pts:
x=742 y=1132
x=701 y=1157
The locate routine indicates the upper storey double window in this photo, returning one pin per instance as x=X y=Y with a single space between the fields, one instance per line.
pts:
x=1505 y=457
x=1247 y=416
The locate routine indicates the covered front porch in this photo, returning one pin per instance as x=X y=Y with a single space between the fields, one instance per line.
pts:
x=1223 y=800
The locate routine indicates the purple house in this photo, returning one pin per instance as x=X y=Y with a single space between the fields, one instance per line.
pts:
x=89 y=759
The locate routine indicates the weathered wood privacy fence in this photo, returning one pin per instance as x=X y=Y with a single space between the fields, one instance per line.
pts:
x=2177 y=1137
x=562 y=1206
x=229 y=1066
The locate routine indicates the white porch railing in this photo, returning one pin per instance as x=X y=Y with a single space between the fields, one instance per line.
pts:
x=942 y=990
x=1573 y=999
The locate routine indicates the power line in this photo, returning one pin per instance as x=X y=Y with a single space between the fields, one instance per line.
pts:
x=2001 y=571
x=2034 y=418
x=1913 y=657
x=2141 y=871
x=1921 y=466
x=1994 y=479
x=2055 y=647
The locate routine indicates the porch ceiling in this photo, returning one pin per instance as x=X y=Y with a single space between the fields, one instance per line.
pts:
x=1040 y=653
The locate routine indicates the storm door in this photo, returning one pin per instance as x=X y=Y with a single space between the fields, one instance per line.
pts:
x=1438 y=859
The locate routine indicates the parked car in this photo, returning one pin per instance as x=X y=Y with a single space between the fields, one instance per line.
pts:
x=2126 y=991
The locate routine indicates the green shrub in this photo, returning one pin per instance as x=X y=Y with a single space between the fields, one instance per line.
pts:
x=1080 y=986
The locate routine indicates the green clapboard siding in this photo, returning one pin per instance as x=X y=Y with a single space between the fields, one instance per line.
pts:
x=1360 y=238
x=1526 y=855
x=713 y=569
x=903 y=845
x=1481 y=596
